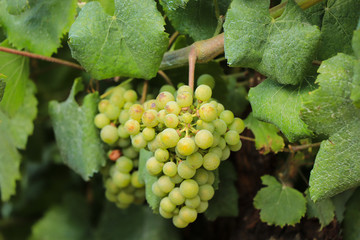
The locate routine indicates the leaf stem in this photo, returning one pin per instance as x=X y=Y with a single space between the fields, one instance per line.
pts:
x=302 y=147
x=247 y=138
x=144 y=91
x=44 y=58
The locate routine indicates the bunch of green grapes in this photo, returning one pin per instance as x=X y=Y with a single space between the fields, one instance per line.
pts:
x=190 y=134
x=122 y=183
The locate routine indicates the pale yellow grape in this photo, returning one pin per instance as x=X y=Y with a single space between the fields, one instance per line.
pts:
x=201 y=176
x=124 y=164
x=132 y=126
x=165 y=184
x=125 y=198
x=165 y=214
x=101 y=120
x=151 y=104
x=149 y=118
x=138 y=141
x=148 y=133
x=117 y=100
x=176 y=196
x=153 y=166
x=202 y=207
x=156 y=190
x=186 y=146
x=130 y=96
x=203 y=93
x=172 y=107
x=236 y=147
x=189 y=188
x=193 y=202
x=112 y=112
x=185 y=171
x=227 y=116
x=184 y=99
x=163 y=98
x=208 y=112
x=171 y=120
x=161 y=116
x=109 y=134
x=185 y=88
x=135 y=180
x=179 y=222
x=237 y=125
x=136 y=111
x=169 y=137
x=226 y=153
x=103 y=104
x=167 y=205
x=195 y=160
x=170 y=169
x=204 y=139
x=121 y=180
x=206 y=192
x=211 y=161
x=188 y=214
x=124 y=116
x=162 y=155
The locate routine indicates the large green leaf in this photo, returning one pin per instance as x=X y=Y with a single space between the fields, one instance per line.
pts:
x=69 y=220
x=14 y=131
x=329 y=111
x=266 y=135
x=281 y=48
x=355 y=92
x=279 y=204
x=16 y=6
x=76 y=135
x=340 y=201
x=129 y=43
x=16 y=71
x=351 y=230
x=174 y=4
x=190 y=20
x=134 y=223
x=40 y=27
x=280 y=104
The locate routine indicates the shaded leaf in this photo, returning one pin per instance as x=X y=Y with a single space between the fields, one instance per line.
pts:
x=129 y=43
x=323 y=210
x=279 y=205
x=76 y=135
x=281 y=48
x=174 y=4
x=339 y=202
x=266 y=135
x=355 y=92
x=16 y=7
x=2 y=86
x=351 y=222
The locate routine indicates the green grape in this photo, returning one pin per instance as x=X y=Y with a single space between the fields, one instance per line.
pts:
x=220 y=108
x=211 y=178
x=125 y=198
x=169 y=137
x=151 y=104
x=155 y=144
x=121 y=179
x=122 y=132
x=236 y=147
x=206 y=79
x=204 y=139
x=226 y=153
x=217 y=138
x=109 y=134
x=167 y=205
x=122 y=205
x=117 y=100
x=193 y=202
x=148 y=133
x=124 y=116
x=188 y=214
x=111 y=186
x=110 y=196
x=186 y=117
x=195 y=160
x=200 y=124
x=202 y=207
x=222 y=143
x=112 y=112
x=103 y=104
x=172 y=107
x=237 y=125
x=161 y=116
x=127 y=105
x=170 y=169
x=184 y=99
x=176 y=197
x=136 y=111
x=201 y=176
x=211 y=161
x=130 y=95
x=171 y=120
x=227 y=116
x=163 y=98
x=203 y=93
x=156 y=190
x=138 y=141
x=208 y=112
x=153 y=166
x=218 y=151
x=178 y=222
x=185 y=171
x=101 y=120
x=167 y=88
x=220 y=126
x=130 y=152
x=177 y=179
x=149 y=118
x=162 y=155
x=206 y=192
x=179 y=155
x=132 y=126
x=186 y=146
x=189 y=188
x=185 y=88
x=232 y=137
x=135 y=180
x=124 y=164
x=165 y=184
x=118 y=90
x=140 y=193
x=165 y=214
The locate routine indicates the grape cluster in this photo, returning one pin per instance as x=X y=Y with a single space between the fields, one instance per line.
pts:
x=190 y=134
x=122 y=183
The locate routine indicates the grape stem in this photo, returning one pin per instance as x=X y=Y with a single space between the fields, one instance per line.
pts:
x=165 y=77
x=144 y=91
x=247 y=138
x=302 y=147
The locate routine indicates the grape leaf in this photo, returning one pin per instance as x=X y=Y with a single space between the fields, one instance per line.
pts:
x=266 y=136
x=16 y=7
x=279 y=205
x=69 y=220
x=281 y=48
x=16 y=70
x=14 y=131
x=171 y=5
x=329 y=111
x=76 y=135
x=2 y=86
x=280 y=104
x=351 y=222
x=129 y=43
x=323 y=210
x=41 y=26
x=225 y=200
x=199 y=25
x=151 y=198
x=355 y=92
x=134 y=223
x=340 y=201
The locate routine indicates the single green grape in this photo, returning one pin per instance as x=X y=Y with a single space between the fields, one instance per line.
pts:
x=125 y=198
x=165 y=214
x=222 y=143
x=185 y=171
x=101 y=120
x=170 y=169
x=236 y=147
x=118 y=90
x=161 y=116
x=138 y=141
x=121 y=180
x=195 y=160
x=185 y=88
x=193 y=202
x=172 y=107
x=108 y=134
x=171 y=120
x=203 y=93
x=226 y=153
x=202 y=207
x=208 y=112
x=189 y=188
x=220 y=126
x=211 y=178
x=177 y=179
x=211 y=161
x=156 y=190
x=232 y=137
x=186 y=146
x=124 y=164
x=206 y=79
x=206 y=192
x=153 y=166
x=167 y=205
x=167 y=88
x=165 y=184
x=227 y=116
x=103 y=104
x=169 y=137
x=237 y=125
x=149 y=118
x=216 y=141
x=132 y=126
x=201 y=176
x=151 y=104
x=217 y=150
x=122 y=132
x=179 y=222
x=220 y=108
x=200 y=124
x=130 y=95
x=136 y=111
x=186 y=117
x=111 y=186
x=184 y=99
x=188 y=214
x=204 y=139
x=110 y=196
x=130 y=152
x=117 y=100
x=176 y=197
x=162 y=155
x=148 y=133
x=124 y=116
x=112 y=112
x=163 y=98
x=135 y=180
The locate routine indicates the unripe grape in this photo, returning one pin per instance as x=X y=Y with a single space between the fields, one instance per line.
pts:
x=156 y=190
x=184 y=99
x=177 y=179
x=122 y=132
x=189 y=188
x=128 y=105
x=170 y=169
x=125 y=198
x=151 y=104
x=101 y=120
x=195 y=160
x=163 y=98
x=179 y=222
x=185 y=88
x=153 y=166
x=135 y=180
x=103 y=104
x=165 y=184
x=226 y=153
x=222 y=143
x=227 y=116
x=206 y=79
x=162 y=155
x=193 y=202
x=185 y=171
x=211 y=178
x=217 y=138
x=136 y=111
x=167 y=205
x=236 y=147
x=124 y=116
x=169 y=137
x=130 y=95
x=211 y=161
x=121 y=205
x=206 y=192
x=220 y=126
x=167 y=88
x=220 y=108
x=148 y=133
x=112 y=112
x=132 y=126
x=171 y=120
x=208 y=112
x=186 y=146
x=161 y=116
x=188 y=214
x=232 y=137
x=109 y=134
x=117 y=100
x=202 y=207
x=138 y=141
x=218 y=151
x=155 y=144
x=201 y=176
x=203 y=93
x=111 y=186
x=200 y=124
x=130 y=152
x=204 y=139
x=172 y=107
x=110 y=196
x=124 y=164
x=176 y=197
x=237 y=125
x=121 y=179
x=149 y=118
x=165 y=214
x=186 y=117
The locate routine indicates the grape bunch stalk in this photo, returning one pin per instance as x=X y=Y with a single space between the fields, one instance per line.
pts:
x=122 y=182
x=190 y=134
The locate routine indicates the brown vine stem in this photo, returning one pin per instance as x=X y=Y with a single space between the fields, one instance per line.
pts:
x=302 y=147
x=247 y=138
x=173 y=37
x=37 y=56
x=165 y=77
x=144 y=91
